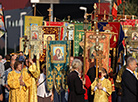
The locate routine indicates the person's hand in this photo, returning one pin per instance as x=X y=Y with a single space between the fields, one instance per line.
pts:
x=22 y=83
x=30 y=60
x=52 y=97
x=84 y=81
x=100 y=87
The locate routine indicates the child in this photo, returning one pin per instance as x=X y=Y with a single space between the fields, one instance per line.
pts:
x=102 y=87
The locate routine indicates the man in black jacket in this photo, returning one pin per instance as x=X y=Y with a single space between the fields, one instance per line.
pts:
x=75 y=84
x=129 y=82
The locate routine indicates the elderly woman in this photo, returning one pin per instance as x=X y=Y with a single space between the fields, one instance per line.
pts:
x=76 y=88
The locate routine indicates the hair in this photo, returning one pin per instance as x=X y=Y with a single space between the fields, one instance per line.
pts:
x=130 y=60
x=7 y=57
x=0 y=57
x=16 y=64
x=104 y=71
x=76 y=63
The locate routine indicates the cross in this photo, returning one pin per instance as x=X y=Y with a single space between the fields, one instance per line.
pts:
x=58 y=78
x=99 y=56
x=49 y=10
x=98 y=36
x=108 y=27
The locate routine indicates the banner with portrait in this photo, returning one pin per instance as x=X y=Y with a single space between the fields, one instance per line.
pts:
x=57 y=61
x=104 y=46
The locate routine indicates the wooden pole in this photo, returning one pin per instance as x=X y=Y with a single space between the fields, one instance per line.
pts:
x=123 y=8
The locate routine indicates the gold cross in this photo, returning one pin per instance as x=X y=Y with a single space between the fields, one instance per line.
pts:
x=49 y=10
x=108 y=27
x=58 y=78
x=99 y=56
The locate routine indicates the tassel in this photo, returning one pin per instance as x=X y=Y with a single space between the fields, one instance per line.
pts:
x=114 y=38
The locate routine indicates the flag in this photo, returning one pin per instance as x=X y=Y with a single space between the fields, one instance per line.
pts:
x=119 y=2
x=2 y=24
x=31 y=21
x=116 y=39
x=57 y=64
x=114 y=11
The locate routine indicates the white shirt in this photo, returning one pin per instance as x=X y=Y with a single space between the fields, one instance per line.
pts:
x=41 y=90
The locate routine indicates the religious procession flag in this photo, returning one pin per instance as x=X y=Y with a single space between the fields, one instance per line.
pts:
x=57 y=62
x=60 y=26
x=2 y=26
x=114 y=11
x=32 y=21
x=104 y=45
x=78 y=37
x=69 y=31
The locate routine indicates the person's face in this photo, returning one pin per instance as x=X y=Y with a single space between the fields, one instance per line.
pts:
x=19 y=67
x=49 y=39
x=44 y=71
x=133 y=65
x=102 y=74
x=58 y=52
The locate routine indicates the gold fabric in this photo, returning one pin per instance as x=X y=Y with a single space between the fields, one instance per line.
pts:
x=15 y=89
x=100 y=95
x=27 y=81
x=35 y=73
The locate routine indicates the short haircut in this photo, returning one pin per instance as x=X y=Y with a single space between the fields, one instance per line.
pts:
x=130 y=60
x=7 y=57
x=16 y=64
x=76 y=63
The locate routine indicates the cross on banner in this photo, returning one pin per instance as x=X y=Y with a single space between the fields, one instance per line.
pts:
x=25 y=43
x=98 y=36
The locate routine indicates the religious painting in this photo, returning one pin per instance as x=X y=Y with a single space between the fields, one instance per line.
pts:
x=58 y=54
x=104 y=45
x=135 y=36
x=92 y=50
x=34 y=32
x=48 y=37
x=32 y=21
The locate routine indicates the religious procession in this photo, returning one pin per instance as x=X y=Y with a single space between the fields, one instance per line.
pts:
x=91 y=59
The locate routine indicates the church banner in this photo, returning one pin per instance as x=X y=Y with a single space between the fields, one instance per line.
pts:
x=32 y=22
x=57 y=61
x=60 y=25
x=78 y=37
x=104 y=46
x=68 y=31
x=2 y=26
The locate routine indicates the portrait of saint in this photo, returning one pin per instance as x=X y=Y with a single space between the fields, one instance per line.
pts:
x=135 y=36
x=58 y=54
x=34 y=35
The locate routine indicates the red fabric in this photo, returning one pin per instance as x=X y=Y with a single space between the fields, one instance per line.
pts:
x=129 y=22
x=87 y=86
x=114 y=11
x=116 y=29
x=119 y=2
x=60 y=24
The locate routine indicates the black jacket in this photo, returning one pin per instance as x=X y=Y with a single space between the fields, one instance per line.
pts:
x=76 y=92
x=129 y=87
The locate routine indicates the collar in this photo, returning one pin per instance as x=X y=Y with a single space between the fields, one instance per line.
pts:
x=77 y=72
x=102 y=78
x=17 y=71
x=129 y=70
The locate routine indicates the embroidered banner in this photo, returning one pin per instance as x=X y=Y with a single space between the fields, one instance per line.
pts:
x=31 y=21
x=104 y=46
x=78 y=37
x=57 y=61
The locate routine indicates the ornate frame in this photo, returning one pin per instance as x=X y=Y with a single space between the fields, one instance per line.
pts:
x=58 y=45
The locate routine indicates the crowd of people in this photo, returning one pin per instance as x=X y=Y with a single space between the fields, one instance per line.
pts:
x=24 y=80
